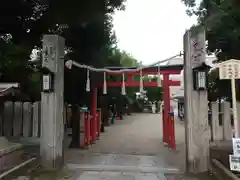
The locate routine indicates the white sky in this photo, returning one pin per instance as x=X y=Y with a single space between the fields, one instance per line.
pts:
x=152 y=30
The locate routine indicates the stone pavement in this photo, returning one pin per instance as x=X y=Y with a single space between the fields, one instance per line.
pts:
x=131 y=149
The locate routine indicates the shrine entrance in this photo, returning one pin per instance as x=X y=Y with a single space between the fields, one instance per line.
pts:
x=52 y=103
x=166 y=83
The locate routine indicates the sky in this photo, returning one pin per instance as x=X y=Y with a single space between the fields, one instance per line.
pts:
x=152 y=30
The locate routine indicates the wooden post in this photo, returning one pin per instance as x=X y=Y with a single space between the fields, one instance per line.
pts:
x=36 y=119
x=238 y=111
x=227 y=127
x=1 y=118
x=52 y=129
x=8 y=118
x=129 y=78
x=217 y=130
x=18 y=119
x=94 y=115
x=196 y=114
x=27 y=110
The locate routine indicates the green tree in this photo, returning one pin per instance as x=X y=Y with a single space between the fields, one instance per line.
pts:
x=153 y=93
x=86 y=26
x=218 y=89
x=127 y=60
x=120 y=58
x=221 y=21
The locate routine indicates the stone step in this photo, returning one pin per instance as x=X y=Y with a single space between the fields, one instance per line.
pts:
x=21 y=171
x=10 y=154
x=220 y=172
x=96 y=175
x=117 y=168
x=200 y=176
x=14 y=160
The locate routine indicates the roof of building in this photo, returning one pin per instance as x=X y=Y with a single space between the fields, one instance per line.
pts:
x=9 y=91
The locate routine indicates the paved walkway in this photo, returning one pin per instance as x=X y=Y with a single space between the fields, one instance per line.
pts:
x=131 y=149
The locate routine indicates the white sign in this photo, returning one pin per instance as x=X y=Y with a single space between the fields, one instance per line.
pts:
x=201 y=79
x=198 y=48
x=234 y=162
x=229 y=69
x=236 y=146
x=46 y=82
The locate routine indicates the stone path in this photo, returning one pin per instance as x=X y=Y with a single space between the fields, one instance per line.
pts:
x=94 y=175
x=132 y=149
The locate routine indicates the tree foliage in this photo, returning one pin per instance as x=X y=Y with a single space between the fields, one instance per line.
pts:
x=123 y=59
x=154 y=93
x=120 y=58
x=86 y=26
x=221 y=21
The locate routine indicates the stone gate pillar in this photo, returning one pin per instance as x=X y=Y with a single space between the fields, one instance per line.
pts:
x=52 y=103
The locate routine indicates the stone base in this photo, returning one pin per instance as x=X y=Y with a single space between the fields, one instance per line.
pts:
x=10 y=154
x=219 y=171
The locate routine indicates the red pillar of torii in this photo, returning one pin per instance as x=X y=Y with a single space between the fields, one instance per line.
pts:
x=166 y=71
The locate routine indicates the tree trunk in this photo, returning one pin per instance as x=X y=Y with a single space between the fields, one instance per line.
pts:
x=75 y=143
x=105 y=116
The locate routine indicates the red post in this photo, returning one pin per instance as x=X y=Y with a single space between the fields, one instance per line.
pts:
x=98 y=123
x=90 y=130
x=94 y=115
x=163 y=127
x=86 y=130
x=82 y=129
x=129 y=77
x=166 y=100
x=172 y=142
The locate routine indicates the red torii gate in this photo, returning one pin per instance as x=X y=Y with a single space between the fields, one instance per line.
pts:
x=166 y=83
x=166 y=71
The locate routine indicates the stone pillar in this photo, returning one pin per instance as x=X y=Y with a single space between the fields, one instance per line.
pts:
x=196 y=109
x=227 y=126
x=52 y=128
x=217 y=130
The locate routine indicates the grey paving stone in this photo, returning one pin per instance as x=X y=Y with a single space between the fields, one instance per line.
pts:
x=107 y=175
x=132 y=149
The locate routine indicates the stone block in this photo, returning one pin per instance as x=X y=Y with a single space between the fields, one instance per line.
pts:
x=10 y=154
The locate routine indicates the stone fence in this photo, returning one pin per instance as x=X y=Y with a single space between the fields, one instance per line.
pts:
x=221 y=121
x=24 y=119
x=20 y=119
